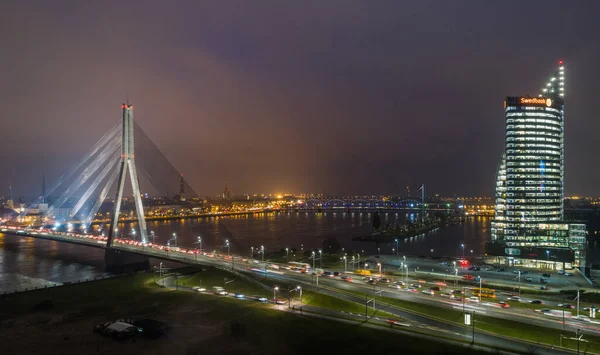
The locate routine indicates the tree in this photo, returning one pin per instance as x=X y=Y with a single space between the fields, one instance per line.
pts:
x=376 y=221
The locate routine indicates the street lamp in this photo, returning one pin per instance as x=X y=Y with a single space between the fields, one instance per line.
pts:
x=287 y=252
x=379 y=266
x=397 y=247
x=275 y=289
x=431 y=251
x=313 y=257
x=365 y=269
x=321 y=258
x=345 y=263
x=227 y=245
x=463 y=248
x=406 y=268
x=262 y=252
x=152 y=236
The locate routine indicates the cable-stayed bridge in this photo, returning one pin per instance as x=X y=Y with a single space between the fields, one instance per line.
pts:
x=121 y=162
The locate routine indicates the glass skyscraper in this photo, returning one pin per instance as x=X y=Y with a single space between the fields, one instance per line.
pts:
x=529 y=207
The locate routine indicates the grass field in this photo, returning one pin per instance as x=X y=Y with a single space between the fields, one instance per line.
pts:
x=199 y=324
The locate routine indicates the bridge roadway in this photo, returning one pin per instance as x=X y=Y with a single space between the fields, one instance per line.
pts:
x=333 y=286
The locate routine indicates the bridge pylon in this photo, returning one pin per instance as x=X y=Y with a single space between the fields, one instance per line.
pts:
x=128 y=163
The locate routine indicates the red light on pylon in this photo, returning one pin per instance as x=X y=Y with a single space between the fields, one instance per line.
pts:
x=123 y=106
x=560 y=62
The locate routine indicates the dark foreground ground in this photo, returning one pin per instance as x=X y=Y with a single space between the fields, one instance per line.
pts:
x=199 y=324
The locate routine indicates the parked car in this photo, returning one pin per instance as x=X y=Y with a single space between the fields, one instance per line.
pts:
x=568 y=274
x=561 y=272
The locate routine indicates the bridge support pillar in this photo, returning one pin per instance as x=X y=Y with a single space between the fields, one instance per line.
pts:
x=118 y=261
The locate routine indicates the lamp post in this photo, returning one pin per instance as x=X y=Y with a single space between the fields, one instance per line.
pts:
x=275 y=289
x=365 y=269
x=175 y=238
x=406 y=268
x=397 y=247
x=287 y=252
x=345 y=263
x=227 y=245
x=321 y=258
x=252 y=252
x=463 y=248
x=455 y=272
x=262 y=252
x=379 y=267
x=200 y=242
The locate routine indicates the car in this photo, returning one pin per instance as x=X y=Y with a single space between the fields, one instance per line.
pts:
x=529 y=279
x=477 y=268
x=200 y=289
x=546 y=274
x=400 y=283
x=223 y=293
x=196 y=288
x=395 y=286
x=278 y=301
x=514 y=298
x=457 y=292
x=384 y=280
x=545 y=310
x=473 y=299
x=336 y=273
x=561 y=272
x=443 y=263
x=239 y=295
x=436 y=288
x=503 y=304
x=346 y=278
x=262 y=299
x=416 y=285
x=373 y=282
x=428 y=292
x=544 y=288
x=568 y=274
x=536 y=302
x=566 y=305
x=412 y=289
x=445 y=294
x=543 y=280
x=328 y=274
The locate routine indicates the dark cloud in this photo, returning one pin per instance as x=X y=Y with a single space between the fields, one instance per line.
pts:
x=327 y=96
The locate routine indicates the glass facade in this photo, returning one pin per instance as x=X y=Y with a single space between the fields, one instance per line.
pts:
x=529 y=199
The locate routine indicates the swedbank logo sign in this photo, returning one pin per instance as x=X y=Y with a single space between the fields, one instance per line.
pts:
x=536 y=101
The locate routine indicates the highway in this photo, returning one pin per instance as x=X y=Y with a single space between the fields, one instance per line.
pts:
x=338 y=288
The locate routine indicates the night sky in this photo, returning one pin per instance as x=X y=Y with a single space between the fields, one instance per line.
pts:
x=337 y=97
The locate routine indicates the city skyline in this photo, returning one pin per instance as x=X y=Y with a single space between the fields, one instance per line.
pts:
x=400 y=100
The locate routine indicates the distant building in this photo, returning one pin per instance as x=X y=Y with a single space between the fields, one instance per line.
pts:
x=226 y=192
x=182 y=197
x=528 y=226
